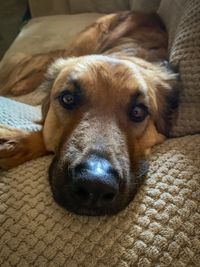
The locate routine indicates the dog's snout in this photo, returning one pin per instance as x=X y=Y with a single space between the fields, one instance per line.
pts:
x=95 y=182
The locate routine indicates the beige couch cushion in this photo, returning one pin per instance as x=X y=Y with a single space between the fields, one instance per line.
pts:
x=182 y=19
x=159 y=228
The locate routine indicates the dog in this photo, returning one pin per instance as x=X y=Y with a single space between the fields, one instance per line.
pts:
x=110 y=99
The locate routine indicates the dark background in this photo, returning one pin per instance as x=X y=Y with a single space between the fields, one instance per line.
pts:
x=11 y=16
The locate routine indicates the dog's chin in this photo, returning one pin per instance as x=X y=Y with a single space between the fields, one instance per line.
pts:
x=66 y=201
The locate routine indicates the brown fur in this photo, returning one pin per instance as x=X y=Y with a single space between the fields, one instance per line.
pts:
x=126 y=69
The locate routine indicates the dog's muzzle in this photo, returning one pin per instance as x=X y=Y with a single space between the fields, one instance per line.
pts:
x=91 y=188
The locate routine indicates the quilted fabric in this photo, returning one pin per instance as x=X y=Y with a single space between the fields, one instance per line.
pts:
x=161 y=227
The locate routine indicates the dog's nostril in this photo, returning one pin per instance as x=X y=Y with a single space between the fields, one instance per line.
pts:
x=82 y=193
x=108 y=197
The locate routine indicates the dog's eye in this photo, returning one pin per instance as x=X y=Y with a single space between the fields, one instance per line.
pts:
x=68 y=100
x=138 y=113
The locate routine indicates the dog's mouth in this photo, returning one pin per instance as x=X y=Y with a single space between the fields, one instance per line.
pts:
x=92 y=202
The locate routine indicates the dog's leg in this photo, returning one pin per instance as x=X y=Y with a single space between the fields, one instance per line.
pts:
x=17 y=146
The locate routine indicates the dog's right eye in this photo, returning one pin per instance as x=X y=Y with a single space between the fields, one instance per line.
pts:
x=68 y=100
x=138 y=113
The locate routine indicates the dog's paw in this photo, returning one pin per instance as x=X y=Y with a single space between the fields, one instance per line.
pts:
x=12 y=147
x=17 y=146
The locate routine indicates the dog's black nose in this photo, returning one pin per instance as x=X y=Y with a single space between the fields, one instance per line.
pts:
x=95 y=183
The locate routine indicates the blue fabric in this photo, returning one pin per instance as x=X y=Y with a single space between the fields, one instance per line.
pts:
x=19 y=115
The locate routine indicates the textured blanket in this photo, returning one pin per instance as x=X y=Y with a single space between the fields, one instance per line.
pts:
x=161 y=227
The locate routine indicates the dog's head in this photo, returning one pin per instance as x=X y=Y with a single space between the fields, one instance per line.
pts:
x=102 y=117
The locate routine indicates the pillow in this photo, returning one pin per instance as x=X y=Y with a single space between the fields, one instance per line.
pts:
x=182 y=19
x=101 y=6
x=144 y=5
x=41 y=8
x=55 y=7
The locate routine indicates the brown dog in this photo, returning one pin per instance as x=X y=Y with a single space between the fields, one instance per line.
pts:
x=106 y=107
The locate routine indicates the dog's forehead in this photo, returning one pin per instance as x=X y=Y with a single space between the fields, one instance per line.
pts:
x=101 y=76
x=103 y=72
x=114 y=67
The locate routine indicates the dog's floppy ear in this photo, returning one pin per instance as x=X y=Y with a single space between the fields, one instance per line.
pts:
x=50 y=76
x=164 y=95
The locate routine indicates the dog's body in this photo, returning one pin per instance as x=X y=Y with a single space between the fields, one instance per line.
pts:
x=106 y=107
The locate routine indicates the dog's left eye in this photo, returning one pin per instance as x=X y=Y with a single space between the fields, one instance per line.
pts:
x=138 y=113
x=68 y=100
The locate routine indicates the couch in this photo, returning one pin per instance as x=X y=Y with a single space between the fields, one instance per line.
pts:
x=161 y=226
